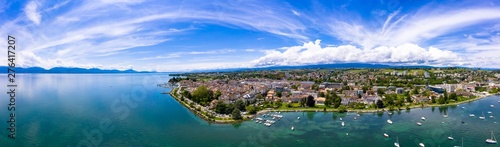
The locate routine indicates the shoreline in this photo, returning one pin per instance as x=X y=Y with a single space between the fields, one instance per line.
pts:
x=267 y=110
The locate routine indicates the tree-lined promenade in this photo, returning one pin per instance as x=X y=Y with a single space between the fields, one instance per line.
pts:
x=235 y=96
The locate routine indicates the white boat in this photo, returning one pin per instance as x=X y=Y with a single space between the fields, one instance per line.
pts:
x=445 y=115
x=341 y=118
x=396 y=144
x=482 y=117
x=293 y=128
x=298 y=117
x=492 y=140
x=423 y=118
x=489 y=112
x=492 y=106
x=343 y=124
x=355 y=118
x=450 y=138
x=463 y=107
x=419 y=123
x=421 y=144
x=462 y=143
x=386 y=135
x=267 y=124
x=389 y=121
x=472 y=115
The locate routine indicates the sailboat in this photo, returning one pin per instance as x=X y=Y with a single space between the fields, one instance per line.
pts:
x=462 y=143
x=386 y=135
x=492 y=106
x=450 y=138
x=343 y=124
x=492 y=140
x=423 y=118
x=293 y=128
x=389 y=121
x=419 y=123
x=396 y=144
x=482 y=117
x=421 y=144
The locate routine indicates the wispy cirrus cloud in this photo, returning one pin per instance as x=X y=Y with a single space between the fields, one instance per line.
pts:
x=120 y=33
x=90 y=29
x=31 y=11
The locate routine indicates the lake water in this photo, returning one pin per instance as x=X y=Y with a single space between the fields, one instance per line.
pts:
x=129 y=110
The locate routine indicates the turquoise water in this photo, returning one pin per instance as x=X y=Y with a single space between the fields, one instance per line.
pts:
x=129 y=110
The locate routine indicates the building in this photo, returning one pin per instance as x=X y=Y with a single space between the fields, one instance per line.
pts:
x=270 y=95
x=400 y=90
x=320 y=100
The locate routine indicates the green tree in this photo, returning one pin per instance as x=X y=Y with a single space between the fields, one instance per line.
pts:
x=230 y=108
x=278 y=94
x=433 y=99
x=415 y=91
x=445 y=95
x=380 y=91
x=408 y=97
x=453 y=96
x=251 y=109
x=380 y=104
x=315 y=87
x=441 y=100
x=303 y=102
x=279 y=103
x=342 y=109
x=240 y=105
x=217 y=94
x=202 y=95
x=328 y=102
x=365 y=88
x=321 y=94
x=220 y=107
x=336 y=100
x=310 y=101
x=236 y=114
x=494 y=90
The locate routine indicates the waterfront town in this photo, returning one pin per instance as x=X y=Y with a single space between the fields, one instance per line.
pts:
x=229 y=96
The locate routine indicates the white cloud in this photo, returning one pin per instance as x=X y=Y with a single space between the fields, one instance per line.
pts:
x=416 y=28
x=313 y=53
x=32 y=13
x=295 y=13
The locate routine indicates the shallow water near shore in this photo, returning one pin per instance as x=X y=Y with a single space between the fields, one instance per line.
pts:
x=129 y=110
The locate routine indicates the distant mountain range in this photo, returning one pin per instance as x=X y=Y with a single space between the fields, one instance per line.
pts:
x=317 y=66
x=4 y=69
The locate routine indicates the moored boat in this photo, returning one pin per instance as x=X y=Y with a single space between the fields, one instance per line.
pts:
x=492 y=140
x=396 y=144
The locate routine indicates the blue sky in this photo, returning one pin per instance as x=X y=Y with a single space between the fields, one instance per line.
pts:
x=175 y=35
